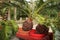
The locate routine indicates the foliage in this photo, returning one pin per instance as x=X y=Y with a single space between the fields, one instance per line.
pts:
x=9 y=28
x=14 y=26
x=6 y=31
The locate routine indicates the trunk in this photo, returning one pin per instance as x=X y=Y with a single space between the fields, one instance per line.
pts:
x=15 y=13
x=27 y=25
x=9 y=14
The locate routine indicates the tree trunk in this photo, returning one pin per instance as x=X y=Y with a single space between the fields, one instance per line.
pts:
x=15 y=13
x=9 y=14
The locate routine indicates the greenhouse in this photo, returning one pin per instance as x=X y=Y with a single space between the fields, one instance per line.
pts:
x=29 y=19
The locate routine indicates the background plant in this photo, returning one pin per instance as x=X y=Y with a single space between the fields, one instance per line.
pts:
x=8 y=29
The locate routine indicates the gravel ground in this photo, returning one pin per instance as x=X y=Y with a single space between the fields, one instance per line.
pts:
x=14 y=38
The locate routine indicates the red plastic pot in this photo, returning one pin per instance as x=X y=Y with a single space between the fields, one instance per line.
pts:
x=32 y=35
x=22 y=34
x=35 y=36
